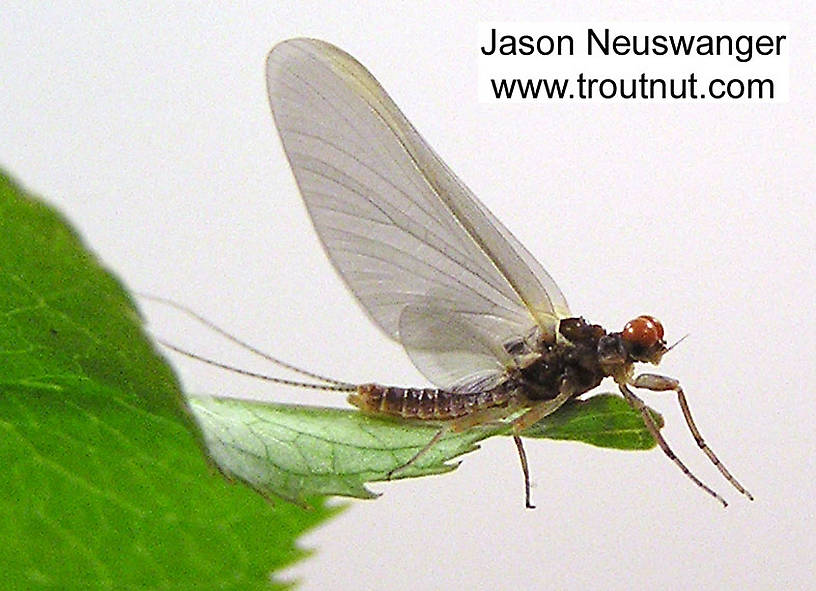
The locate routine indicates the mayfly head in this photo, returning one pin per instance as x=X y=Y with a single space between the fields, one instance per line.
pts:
x=642 y=339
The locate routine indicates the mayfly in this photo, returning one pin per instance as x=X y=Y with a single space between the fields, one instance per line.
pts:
x=438 y=273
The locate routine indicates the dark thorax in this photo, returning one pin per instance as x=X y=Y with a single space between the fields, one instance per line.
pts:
x=571 y=361
x=584 y=354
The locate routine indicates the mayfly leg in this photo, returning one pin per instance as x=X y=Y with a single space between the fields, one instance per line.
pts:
x=658 y=383
x=425 y=449
x=639 y=406
x=528 y=419
x=480 y=417
x=524 y=470
x=539 y=410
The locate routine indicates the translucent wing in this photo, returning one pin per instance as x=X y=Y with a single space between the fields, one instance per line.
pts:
x=411 y=241
x=441 y=342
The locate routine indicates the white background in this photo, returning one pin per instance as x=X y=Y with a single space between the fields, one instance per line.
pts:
x=149 y=128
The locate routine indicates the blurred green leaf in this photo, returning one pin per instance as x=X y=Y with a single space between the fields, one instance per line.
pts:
x=104 y=484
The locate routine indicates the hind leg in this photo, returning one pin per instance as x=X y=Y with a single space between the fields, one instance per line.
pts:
x=458 y=425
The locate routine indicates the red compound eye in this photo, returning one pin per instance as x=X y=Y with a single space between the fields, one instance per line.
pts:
x=644 y=331
x=657 y=324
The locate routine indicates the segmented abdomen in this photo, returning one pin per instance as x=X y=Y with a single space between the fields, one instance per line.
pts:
x=425 y=403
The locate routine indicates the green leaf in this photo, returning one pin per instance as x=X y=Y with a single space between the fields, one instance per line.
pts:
x=605 y=420
x=104 y=485
x=296 y=451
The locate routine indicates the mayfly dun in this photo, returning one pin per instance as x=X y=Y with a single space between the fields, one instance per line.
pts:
x=438 y=273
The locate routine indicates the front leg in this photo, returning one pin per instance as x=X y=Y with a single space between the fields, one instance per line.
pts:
x=659 y=383
x=636 y=403
x=655 y=382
